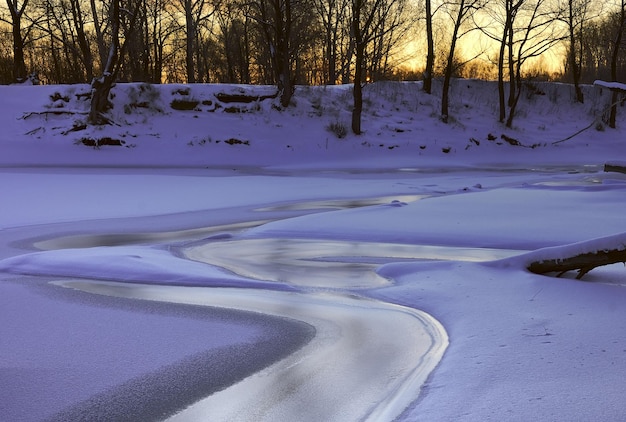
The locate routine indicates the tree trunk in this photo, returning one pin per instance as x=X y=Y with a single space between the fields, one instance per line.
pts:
x=357 y=92
x=19 y=64
x=515 y=100
x=614 y=58
x=284 y=51
x=102 y=50
x=503 y=43
x=331 y=57
x=101 y=87
x=501 y=94
x=100 y=90
x=449 y=67
x=511 y=65
x=245 y=62
x=575 y=67
x=157 y=47
x=83 y=44
x=189 y=43
x=430 y=54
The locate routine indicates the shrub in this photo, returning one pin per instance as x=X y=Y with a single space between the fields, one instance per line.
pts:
x=338 y=128
x=57 y=96
x=142 y=96
x=181 y=91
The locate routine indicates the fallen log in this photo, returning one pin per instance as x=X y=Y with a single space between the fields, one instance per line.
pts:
x=615 y=167
x=583 y=263
x=583 y=256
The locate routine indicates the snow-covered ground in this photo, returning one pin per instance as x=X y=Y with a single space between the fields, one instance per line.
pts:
x=252 y=265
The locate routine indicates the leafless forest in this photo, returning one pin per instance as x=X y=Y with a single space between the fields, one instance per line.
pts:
x=311 y=41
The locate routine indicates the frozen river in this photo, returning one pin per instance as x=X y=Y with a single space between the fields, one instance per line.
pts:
x=152 y=276
x=74 y=356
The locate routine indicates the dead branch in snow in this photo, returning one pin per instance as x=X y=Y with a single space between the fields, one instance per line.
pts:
x=56 y=112
x=595 y=122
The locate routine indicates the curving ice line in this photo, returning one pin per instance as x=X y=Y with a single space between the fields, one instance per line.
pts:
x=367 y=361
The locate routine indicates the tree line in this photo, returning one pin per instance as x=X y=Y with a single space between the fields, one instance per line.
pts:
x=234 y=41
x=291 y=42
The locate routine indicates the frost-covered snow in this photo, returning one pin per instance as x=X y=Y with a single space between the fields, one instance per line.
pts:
x=139 y=272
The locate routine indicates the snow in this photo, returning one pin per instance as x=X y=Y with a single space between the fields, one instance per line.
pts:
x=604 y=244
x=297 y=276
x=611 y=85
x=531 y=217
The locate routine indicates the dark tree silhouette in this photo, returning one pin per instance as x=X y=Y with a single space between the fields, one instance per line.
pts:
x=16 y=11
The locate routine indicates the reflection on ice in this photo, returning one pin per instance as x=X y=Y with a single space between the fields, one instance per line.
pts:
x=123 y=239
x=324 y=263
x=367 y=361
x=342 y=203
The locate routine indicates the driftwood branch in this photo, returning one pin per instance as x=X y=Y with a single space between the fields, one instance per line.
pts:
x=582 y=257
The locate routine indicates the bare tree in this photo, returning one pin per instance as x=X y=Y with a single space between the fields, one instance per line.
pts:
x=576 y=14
x=101 y=87
x=363 y=14
x=134 y=30
x=572 y=56
x=536 y=36
x=461 y=11
x=69 y=45
x=502 y=17
x=371 y=20
x=511 y=8
x=99 y=20
x=523 y=29
x=16 y=13
x=621 y=15
x=78 y=18
x=197 y=13
x=333 y=15
x=598 y=48
x=235 y=42
x=391 y=29
x=160 y=29
x=276 y=20
x=430 y=49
